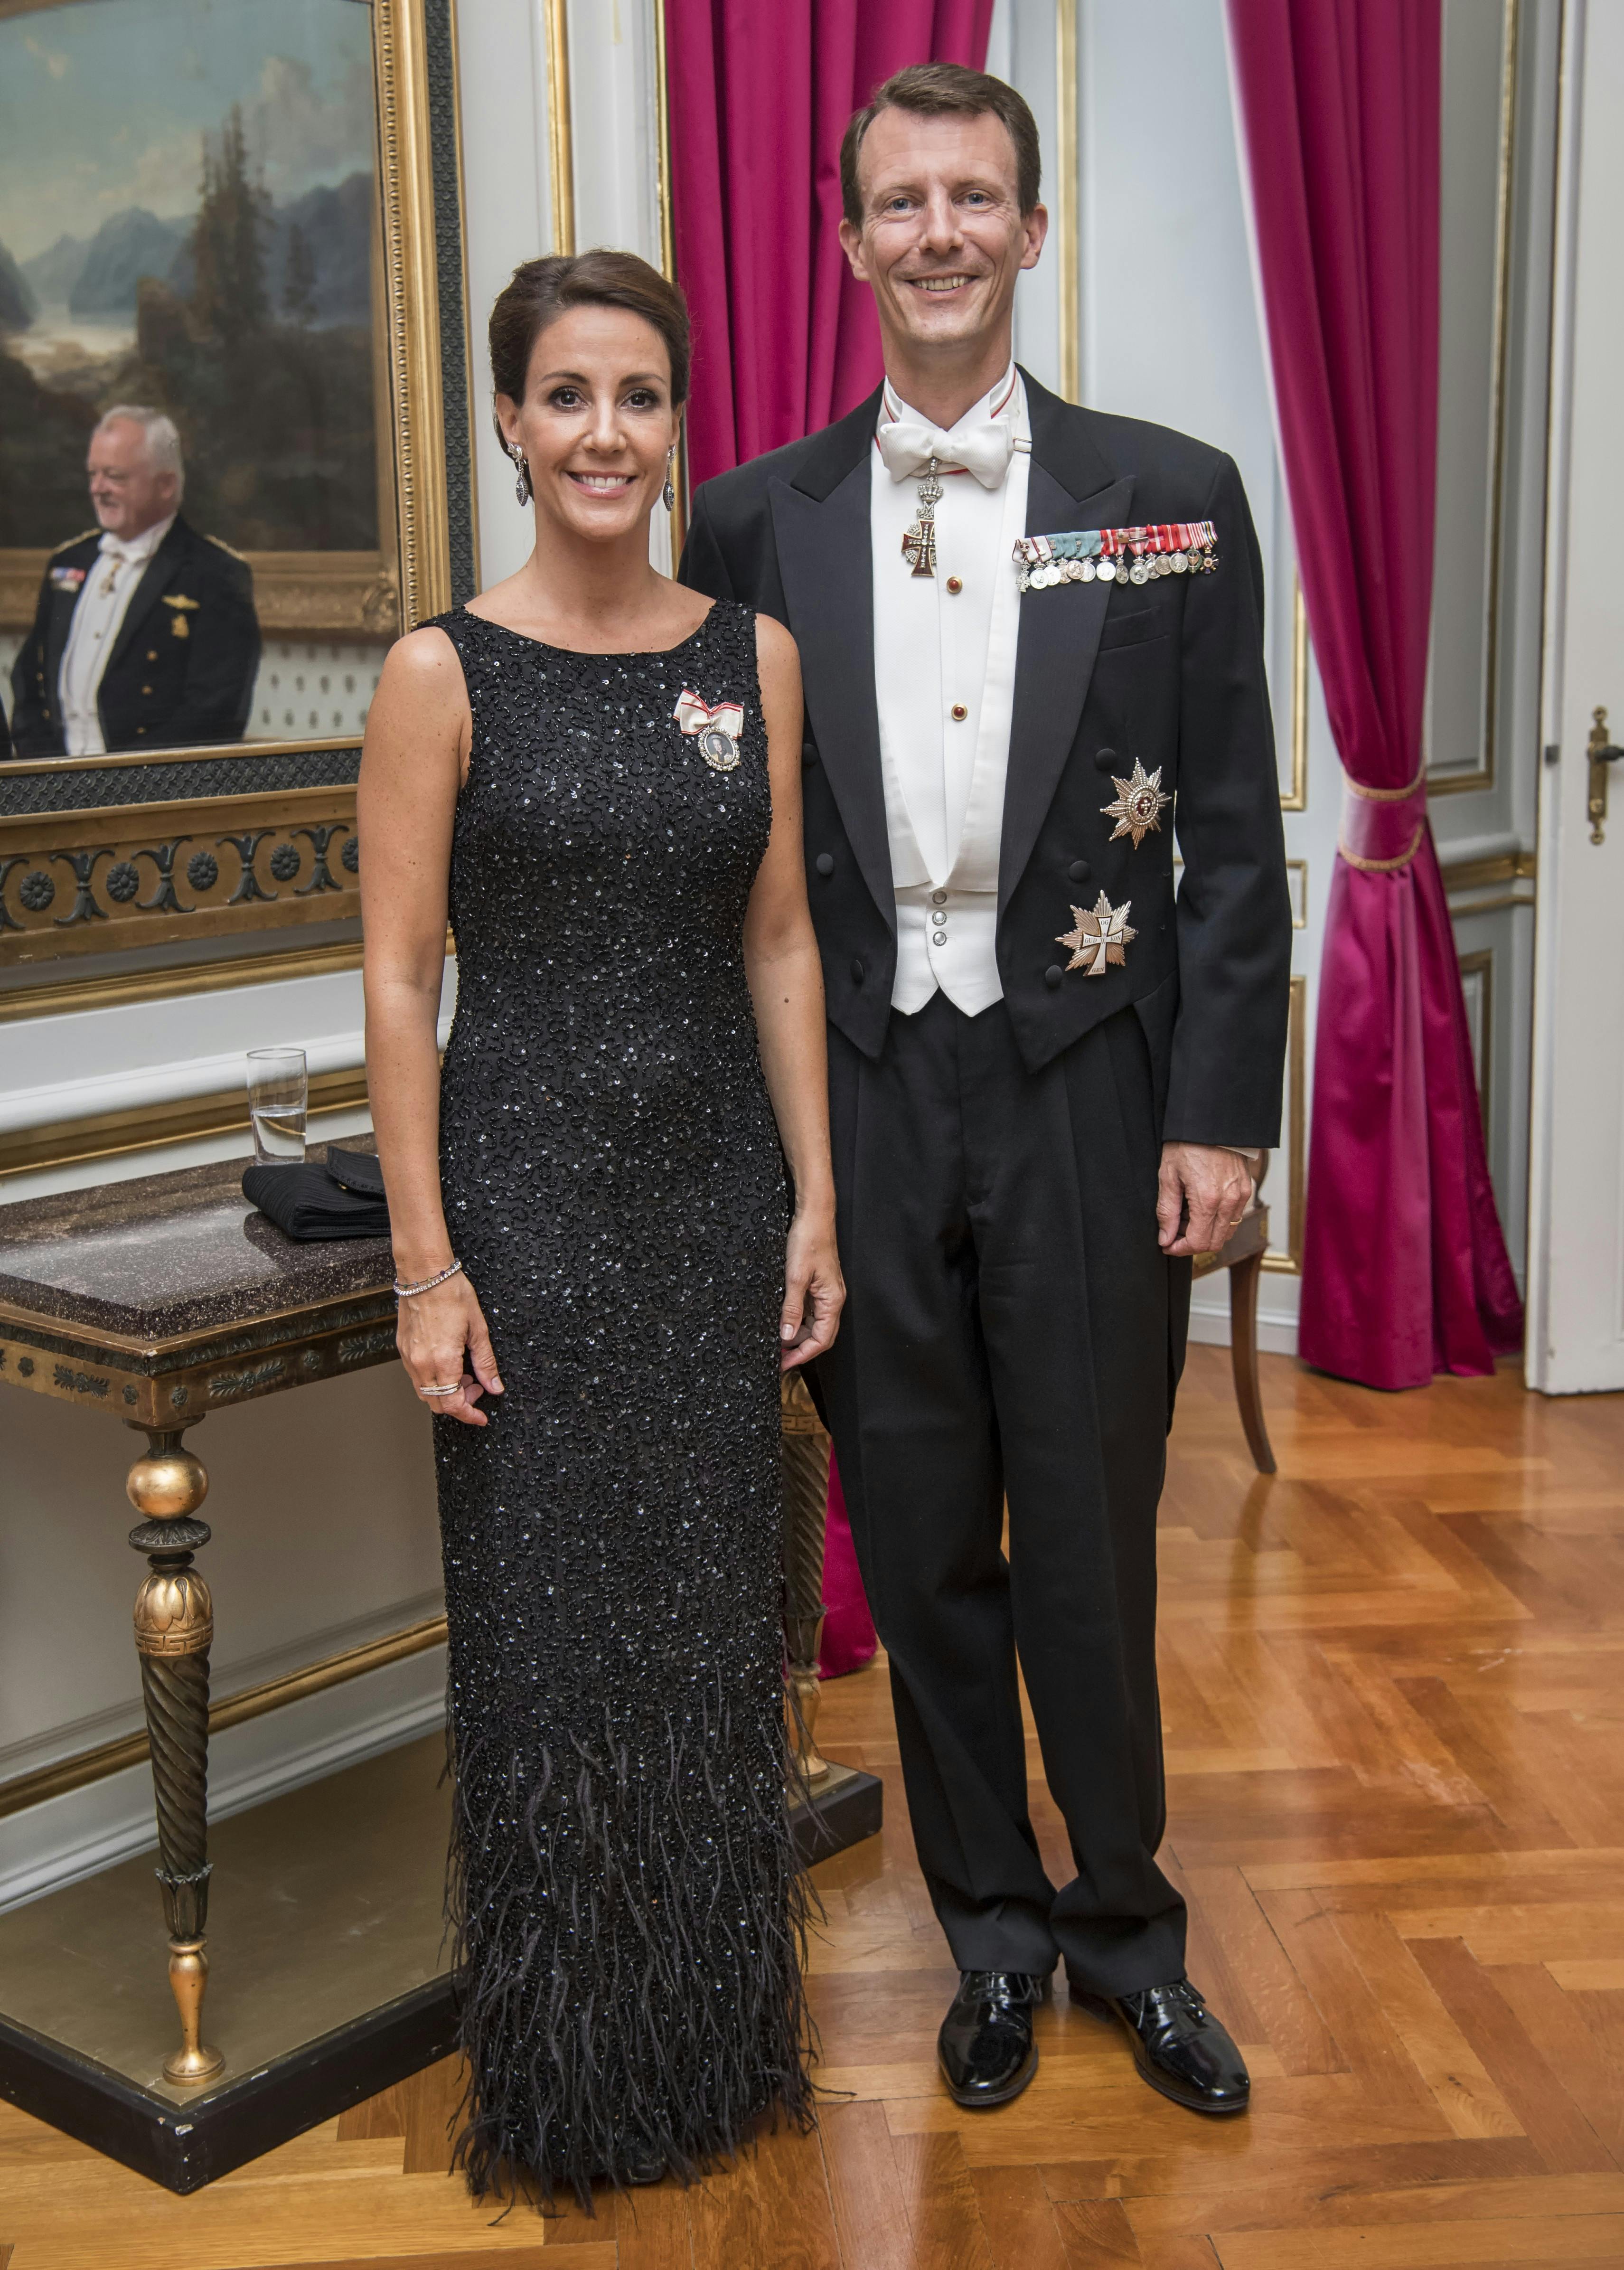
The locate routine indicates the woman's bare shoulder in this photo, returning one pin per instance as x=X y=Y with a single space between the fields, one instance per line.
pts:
x=778 y=658
x=423 y=661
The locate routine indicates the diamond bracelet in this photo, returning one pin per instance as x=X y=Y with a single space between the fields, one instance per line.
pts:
x=406 y=1292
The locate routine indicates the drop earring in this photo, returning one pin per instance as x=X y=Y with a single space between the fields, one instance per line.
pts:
x=521 y=487
x=668 y=496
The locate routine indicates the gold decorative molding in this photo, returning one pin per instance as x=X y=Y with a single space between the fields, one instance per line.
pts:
x=91 y=881
x=325 y=595
x=561 y=144
x=1297 y=798
x=1481 y=964
x=470 y=384
x=1068 y=158
x=1491 y=906
x=149 y=1126
x=413 y=287
x=92 y=1765
x=358 y=595
x=126 y=987
x=1297 y=891
x=1482 y=776
x=1288 y=1260
x=1483 y=874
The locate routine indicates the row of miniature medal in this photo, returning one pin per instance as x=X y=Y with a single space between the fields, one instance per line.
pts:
x=1118 y=555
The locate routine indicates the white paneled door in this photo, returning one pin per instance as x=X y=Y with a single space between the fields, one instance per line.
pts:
x=1576 y=1310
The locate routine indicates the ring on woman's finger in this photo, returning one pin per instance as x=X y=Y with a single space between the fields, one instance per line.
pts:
x=455 y=1383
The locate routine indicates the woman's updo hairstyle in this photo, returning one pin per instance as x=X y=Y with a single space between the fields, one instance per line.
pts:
x=543 y=289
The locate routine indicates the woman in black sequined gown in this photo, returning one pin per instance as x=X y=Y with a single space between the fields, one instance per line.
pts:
x=578 y=769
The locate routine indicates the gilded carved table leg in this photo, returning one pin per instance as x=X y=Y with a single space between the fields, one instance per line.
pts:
x=805 y=1451
x=174 y=1623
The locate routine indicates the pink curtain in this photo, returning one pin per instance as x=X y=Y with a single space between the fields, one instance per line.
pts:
x=848 y=1638
x=784 y=339
x=1404 y=1268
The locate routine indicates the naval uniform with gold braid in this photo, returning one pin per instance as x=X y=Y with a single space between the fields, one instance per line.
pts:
x=1013 y=1328
x=184 y=659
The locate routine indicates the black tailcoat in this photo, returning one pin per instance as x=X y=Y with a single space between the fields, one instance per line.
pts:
x=183 y=667
x=1014 y=1333
x=1170 y=672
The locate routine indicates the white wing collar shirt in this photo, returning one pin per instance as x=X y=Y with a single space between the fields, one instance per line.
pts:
x=944 y=684
x=93 y=634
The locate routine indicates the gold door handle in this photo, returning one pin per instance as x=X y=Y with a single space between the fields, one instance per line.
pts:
x=1602 y=754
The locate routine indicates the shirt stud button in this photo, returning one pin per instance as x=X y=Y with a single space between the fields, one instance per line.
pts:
x=1052 y=975
x=1078 y=872
x=954 y=585
x=826 y=862
x=959 y=712
x=939 y=898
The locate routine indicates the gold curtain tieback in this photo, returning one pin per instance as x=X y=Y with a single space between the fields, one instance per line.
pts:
x=1376 y=834
x=1382 y=866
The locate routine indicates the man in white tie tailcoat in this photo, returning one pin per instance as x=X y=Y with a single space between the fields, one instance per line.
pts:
x=1025 y=629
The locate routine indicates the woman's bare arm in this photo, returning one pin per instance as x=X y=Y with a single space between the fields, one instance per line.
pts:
x=786 y=986
x=418 y=735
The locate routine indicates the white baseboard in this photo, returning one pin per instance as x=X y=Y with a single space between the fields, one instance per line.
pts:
x=1209 y=1324
x=88 y=1829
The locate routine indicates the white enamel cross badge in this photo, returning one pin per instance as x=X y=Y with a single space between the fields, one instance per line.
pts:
x=1101 y=937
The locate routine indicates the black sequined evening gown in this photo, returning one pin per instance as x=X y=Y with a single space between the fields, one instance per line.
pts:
x=623 y=1878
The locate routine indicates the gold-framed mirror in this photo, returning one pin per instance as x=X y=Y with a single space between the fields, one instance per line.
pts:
x=237 y=228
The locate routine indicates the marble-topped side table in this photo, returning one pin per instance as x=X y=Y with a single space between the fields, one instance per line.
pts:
x=156 y=1302
x=159 y=1302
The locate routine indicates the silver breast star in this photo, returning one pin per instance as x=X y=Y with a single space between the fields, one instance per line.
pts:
x=1101 y=937
x=1139 y=803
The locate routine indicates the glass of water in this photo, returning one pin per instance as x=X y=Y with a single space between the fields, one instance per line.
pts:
x=278 y=1098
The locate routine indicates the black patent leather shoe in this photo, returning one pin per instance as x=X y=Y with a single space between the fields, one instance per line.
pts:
x=985 y=2046
x=1178 y=2045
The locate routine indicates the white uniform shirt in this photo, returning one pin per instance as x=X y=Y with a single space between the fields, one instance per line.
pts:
x=945 y=683
x=104 y=598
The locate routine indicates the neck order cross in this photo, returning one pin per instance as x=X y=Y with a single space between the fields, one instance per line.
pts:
x=919 y=544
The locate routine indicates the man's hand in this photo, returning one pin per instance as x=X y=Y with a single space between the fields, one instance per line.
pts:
x=1202 y=1194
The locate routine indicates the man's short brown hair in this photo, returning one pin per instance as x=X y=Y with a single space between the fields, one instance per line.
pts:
x=932 y=91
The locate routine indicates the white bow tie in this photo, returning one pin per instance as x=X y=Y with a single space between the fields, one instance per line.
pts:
x=115 y=549
x=908 y=445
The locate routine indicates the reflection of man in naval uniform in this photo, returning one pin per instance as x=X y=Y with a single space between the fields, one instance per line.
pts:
x=145 y=634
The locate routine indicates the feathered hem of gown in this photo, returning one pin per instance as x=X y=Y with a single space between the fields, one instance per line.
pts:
x=682 y=2018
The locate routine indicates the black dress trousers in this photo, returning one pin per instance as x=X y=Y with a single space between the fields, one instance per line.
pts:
x=1014 y=1330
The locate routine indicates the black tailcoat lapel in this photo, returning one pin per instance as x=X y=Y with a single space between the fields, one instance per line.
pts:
x=1070 y=485
x=820 y=526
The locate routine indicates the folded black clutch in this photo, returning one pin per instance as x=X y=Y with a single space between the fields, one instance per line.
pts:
x=340 y=1198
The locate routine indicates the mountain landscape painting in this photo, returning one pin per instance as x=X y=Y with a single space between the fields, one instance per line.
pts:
x=186 y=220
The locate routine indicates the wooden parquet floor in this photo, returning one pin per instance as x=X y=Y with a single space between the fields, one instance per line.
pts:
x=1393 y=1713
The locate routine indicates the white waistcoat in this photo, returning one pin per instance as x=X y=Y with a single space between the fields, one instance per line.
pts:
x=945 y=683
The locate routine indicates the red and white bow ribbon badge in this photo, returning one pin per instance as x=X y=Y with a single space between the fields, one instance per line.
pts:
x=716 y=730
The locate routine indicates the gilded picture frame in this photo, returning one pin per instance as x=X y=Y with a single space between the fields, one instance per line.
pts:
x=98 y=854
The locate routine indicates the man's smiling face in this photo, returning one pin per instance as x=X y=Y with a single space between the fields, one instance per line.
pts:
x=942 y=237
